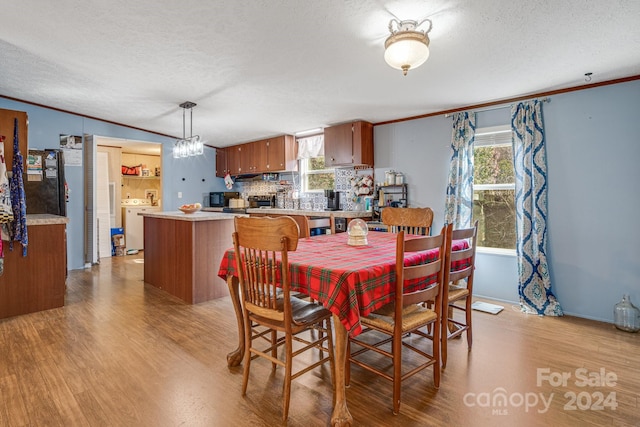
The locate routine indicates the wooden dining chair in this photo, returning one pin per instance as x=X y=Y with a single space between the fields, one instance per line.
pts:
x=305 y=228
x=401 y=322
x=458 y=287
x=410 y=220
x=303 y=225
x=332 y=224
x=261 y=251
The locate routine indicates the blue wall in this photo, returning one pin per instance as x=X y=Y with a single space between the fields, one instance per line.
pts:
x=593 y=150
x=194 y=177
x=593 y=147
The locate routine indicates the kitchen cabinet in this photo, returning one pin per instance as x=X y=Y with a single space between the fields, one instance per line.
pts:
x=259 y=156
x=36 y=282
x=239 y=159
x=221 y=162
x=6 y=129
x=233 y=159
x=349 y=144
x=267 y=155
x=248 y=162
x=280 y=154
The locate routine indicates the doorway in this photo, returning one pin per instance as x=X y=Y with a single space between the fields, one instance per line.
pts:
x=104 y=158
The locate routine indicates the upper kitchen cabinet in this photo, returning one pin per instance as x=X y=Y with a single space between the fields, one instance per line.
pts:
x=349 y=144
x=281 y=154
x=239 y=159
x=6 y=129
x=276 y=154
x=259 y=156
x=221 y=162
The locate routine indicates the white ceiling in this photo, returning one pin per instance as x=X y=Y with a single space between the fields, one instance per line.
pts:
x=258 y=68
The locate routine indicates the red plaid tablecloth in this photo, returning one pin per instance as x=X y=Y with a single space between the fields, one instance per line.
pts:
x=351 y=281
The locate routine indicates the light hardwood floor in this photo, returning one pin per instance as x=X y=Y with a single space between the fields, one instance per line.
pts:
x=121 y=353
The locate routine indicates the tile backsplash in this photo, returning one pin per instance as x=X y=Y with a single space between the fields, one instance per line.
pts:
x=307 y=201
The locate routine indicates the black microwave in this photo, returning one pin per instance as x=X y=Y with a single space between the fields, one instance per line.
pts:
x=221 y=199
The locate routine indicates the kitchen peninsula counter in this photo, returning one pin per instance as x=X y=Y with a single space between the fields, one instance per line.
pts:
x=38 y=281
x=182 y=253
x=336 y=214
x=193 y=217
x=340 y=226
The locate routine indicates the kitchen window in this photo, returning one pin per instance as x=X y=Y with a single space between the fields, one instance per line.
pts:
x=494 y=188
x=315 y=176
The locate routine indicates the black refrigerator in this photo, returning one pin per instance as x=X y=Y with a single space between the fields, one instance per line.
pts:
x=44 y=182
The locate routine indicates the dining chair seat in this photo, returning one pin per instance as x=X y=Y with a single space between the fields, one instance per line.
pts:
x=413 y=316
x=457 y=292
x=303 y=314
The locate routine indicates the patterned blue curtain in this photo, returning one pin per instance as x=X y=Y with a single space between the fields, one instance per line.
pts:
x=459 y=201
x=530 y=165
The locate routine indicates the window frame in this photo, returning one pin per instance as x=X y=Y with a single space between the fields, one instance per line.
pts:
x=495 y=136
x=305 y=172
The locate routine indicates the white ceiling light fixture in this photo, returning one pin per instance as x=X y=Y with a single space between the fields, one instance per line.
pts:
x=407 y=47
x=188 y=146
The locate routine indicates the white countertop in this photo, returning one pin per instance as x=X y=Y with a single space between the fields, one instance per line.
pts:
x=46 y=219
x=196 y=216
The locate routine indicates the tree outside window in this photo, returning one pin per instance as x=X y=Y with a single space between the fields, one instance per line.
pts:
x=315 y=176
x=494 y=188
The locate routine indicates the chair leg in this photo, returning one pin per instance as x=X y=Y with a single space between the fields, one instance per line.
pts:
x=452 y=326
x=320 y=336
x=247 y=354
x=286 y=393
x=437 y=355
x=274 y=349
x=397 y=371
x=468 y=314
x=444 y=336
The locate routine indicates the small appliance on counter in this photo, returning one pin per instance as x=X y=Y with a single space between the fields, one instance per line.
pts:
x=220 y=199
x=262 y=201
x=238 y=206
x=333 y=200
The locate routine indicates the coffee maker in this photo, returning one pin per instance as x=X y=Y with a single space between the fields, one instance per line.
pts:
x=333 y=200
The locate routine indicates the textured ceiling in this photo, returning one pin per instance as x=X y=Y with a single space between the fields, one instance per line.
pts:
x=260 y=68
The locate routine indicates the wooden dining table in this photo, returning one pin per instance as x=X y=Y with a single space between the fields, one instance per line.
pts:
x=350 y=281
